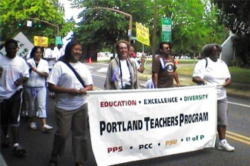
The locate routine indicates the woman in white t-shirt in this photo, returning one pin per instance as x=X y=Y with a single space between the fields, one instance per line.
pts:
x=36 y=89
x=213 y=71
x=71 y=103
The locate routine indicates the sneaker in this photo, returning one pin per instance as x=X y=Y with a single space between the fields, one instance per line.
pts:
x=33 y=125
x=53 y=160
x=223 y=145
x=19 y=151
x=142 y=85
x=47 y=128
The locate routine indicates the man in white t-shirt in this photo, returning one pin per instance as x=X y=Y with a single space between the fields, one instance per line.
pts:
x=50 y=55
x=14 y=72
x=59 y=52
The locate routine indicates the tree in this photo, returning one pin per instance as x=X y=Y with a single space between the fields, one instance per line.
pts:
x=191 y=28
x=17 y=12
x=103 y=28
x=194 y=24
x=235 y=15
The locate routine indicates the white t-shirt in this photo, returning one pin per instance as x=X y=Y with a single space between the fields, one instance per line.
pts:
x=49 y=53
x=58 y=52
x=136 y=62
x=125 y=74
x=35 y=79
x=62 y=75
x=215 y=73
x=13 y=69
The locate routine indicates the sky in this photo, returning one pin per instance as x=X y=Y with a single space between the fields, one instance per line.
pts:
x=69 y=12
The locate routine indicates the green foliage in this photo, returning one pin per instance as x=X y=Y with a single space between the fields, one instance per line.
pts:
x=240 y=75
x=103 y=28
x=195 y=22
x=19 y=11
x=236 y=16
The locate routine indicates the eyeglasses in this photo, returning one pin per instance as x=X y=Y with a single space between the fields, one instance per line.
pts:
x=216 y=51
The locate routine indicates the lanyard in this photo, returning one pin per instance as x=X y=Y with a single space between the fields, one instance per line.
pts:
x=163 y=63
x=130 y=74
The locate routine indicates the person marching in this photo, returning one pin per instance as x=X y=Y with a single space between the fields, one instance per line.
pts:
x=14 y=72
x=36 y=88
x=132 y=56
x=164 y=69
x=70 y=80
x=213 y=71
x=122 y=73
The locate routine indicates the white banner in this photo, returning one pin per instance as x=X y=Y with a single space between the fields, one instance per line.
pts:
x=132 y=125
x=24 y=45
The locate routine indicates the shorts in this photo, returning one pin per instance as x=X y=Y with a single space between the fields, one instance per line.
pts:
x=222 y=110
x=10 y=109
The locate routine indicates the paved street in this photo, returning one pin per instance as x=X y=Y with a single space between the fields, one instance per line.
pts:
x=39 y=144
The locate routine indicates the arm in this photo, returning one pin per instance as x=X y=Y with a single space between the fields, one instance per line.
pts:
x=176 y=78
x=83 y=91
x=227 y=83
x=43 y=74
x=21 y=81
x=155 y=70
x=59 y=89
x=198 y=80
x=141 y=68
x=198 y=73
x=155 y=79
x=107 y=84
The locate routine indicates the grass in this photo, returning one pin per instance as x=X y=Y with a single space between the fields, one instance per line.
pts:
x=180 y=61
x=239 y=75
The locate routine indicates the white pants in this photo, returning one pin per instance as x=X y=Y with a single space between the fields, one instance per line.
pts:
x=36 y=101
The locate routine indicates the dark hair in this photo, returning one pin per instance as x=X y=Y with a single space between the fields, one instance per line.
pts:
x=34 y=49
x=69 y=47
x=207 y=50
x=162 y=43
x=121 y=41
x=10 y=41
x=132 y=46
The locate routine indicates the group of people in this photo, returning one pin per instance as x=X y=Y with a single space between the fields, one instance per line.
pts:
x=70 y=80
x=123 y=74
x=123 y=70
